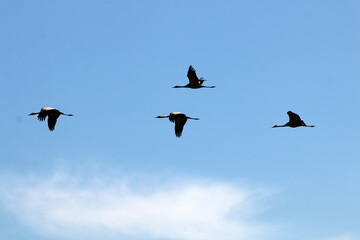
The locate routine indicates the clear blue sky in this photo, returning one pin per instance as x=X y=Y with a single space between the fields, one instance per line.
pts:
x=113 y=171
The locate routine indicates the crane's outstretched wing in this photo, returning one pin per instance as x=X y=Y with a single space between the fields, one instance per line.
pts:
x=179 y=125
x=52 y=122
x=201 y=81
x=42 y=115
x=294 y=118
x=172 y=117
x=193 y=79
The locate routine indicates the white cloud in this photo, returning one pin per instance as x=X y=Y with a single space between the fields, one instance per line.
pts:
x=186 y=210
x=344 y=237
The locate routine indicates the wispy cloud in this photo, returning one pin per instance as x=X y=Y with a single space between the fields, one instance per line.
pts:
x=183 y=209
x=344 y=237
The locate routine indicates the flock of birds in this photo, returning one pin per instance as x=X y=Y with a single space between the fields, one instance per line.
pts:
x=178 y=118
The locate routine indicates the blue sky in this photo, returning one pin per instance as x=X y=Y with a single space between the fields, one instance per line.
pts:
x=113 y=171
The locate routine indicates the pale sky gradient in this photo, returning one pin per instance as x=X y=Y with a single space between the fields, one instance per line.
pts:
x=113 y=65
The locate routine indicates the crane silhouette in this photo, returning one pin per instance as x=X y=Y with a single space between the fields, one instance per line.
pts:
x=194 y=81
x=52 y=115
x=294 y=121
x=179 y=119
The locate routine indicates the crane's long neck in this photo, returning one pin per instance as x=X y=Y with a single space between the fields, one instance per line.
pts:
x=208 y=86
x=279 y=126
x=309 y=126
x=34 y=113
x=193 y=118
x=163 y=116
x=180 y=87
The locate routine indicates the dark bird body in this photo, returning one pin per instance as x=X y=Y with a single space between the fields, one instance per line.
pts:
x=194 y=81
x=52 y=115
x=294 y=121
x=179 y=119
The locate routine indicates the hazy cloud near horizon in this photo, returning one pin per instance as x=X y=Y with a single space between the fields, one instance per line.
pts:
x=344 y=237
x=73 y=207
